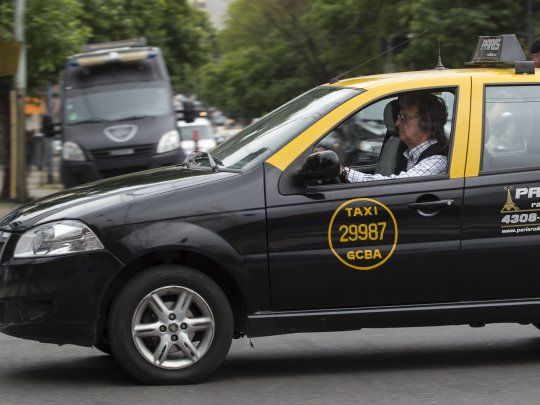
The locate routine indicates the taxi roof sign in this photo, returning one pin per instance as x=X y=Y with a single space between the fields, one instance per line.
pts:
x=503 y=49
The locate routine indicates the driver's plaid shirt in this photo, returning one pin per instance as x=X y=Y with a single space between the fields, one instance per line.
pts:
x=431 y=166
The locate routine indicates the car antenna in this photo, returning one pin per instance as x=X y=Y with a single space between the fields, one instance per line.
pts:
x=439 y=62
x=335 y=79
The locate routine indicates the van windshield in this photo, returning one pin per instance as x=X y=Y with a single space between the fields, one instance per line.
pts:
x=115 y=103
x=258 y=141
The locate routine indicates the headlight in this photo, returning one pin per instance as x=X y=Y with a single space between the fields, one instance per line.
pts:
x=57 y=238
x=169 y=141
x=72 y=151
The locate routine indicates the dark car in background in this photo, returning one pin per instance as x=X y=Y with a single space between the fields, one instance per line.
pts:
x=117 y=114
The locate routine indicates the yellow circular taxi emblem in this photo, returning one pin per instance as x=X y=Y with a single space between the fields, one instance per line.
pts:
x=363 y=233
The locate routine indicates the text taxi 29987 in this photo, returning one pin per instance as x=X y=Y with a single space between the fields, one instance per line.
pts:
x=164 y=267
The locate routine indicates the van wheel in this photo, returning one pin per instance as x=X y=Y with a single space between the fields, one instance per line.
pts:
x=170 y=325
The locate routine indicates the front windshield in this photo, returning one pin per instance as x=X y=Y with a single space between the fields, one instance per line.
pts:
x=113 y=103
x=258 y=141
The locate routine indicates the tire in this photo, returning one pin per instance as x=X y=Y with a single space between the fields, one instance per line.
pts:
x=170 y=325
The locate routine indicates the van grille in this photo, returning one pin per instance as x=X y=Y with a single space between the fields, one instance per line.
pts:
x=139 y=151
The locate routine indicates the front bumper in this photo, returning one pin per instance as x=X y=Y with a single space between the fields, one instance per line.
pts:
x=55 y=300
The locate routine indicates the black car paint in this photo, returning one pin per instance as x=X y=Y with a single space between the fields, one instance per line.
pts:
x=218 y=216
x=503 y=266
x=222 y=217
x=258 y=228
x=300 y=257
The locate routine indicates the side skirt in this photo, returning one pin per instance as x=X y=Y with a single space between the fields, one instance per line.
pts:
x=473 y=313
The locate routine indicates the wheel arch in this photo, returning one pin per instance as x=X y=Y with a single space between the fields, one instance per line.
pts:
x=197 y=260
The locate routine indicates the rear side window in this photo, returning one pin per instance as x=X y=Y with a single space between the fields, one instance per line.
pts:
x=511 y=136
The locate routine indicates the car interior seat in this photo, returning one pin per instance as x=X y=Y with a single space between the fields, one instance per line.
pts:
x=392 y=147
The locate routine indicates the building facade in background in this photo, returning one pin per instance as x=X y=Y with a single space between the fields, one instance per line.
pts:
x=216 y=9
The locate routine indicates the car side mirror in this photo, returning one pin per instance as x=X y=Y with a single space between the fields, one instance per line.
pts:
x=320 y=166
x=50 y=129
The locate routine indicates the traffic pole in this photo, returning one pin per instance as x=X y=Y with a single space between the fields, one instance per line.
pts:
x=13 y=135
x=18 y=162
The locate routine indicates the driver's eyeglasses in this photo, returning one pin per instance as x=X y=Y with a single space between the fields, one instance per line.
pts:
x=406 y=117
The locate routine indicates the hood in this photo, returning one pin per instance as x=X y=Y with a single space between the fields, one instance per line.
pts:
x=103 y=194
x=110 y=134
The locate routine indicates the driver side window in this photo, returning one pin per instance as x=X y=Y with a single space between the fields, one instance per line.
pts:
x=368 y=141
x=359 y=139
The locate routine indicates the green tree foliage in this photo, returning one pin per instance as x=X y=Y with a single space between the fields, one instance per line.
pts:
x=4 y=9
x=279 y=48
x=57 y=28
x=263 y=58
x=456 y=24
x=53 y=31
x=250 y=81
x=182 y=32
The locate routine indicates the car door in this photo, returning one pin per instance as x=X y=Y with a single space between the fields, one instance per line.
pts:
x=367 y=244
x=501 y=229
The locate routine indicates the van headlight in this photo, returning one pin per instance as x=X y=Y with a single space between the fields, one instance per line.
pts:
x=169 y=141
x=57 y=238
x=72 y=151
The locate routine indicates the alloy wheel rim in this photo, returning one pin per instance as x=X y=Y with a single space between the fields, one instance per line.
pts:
x=173 y=327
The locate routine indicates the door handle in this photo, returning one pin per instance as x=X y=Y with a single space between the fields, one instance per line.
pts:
x=432 y=204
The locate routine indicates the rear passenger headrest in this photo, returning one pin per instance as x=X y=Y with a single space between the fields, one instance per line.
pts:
x=390 y=116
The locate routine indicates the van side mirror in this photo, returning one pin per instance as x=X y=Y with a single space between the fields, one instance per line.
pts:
x=320 y=166
x=50 y=129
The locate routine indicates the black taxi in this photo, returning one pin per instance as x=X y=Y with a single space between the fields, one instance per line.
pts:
x=164 y=267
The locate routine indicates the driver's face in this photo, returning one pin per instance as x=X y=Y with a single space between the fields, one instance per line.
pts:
x=408 y=127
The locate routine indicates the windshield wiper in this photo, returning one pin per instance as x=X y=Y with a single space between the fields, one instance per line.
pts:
x=216 y=167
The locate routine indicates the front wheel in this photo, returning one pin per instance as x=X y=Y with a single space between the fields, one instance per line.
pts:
x=170 y=325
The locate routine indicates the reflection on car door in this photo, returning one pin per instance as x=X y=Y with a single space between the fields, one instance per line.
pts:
x=501 y=233
x=423 y=267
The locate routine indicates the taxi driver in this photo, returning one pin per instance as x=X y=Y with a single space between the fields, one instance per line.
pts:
x=420 y=125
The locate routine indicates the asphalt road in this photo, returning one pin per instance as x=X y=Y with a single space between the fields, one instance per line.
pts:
x=498 y=364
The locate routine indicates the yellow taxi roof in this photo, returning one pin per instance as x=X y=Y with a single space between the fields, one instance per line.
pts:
x=366 y=82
